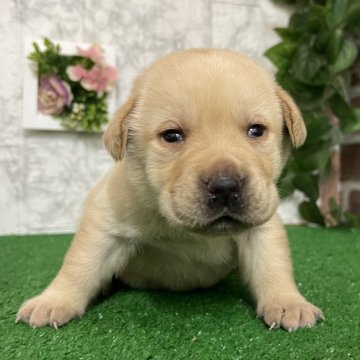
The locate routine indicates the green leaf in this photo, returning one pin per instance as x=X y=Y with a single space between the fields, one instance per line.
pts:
x=306 y=63
x=336 y=12
x=346 y=56
x=307 y=96
x=334 y=45
x=321 y=41
x=318 y=128
x=308 y=66
x=341 y=84
x=322 y=77
x=298 y=20
x=316 y=21
x=314 y=157
x=352 y=125
x=313 y=99
x=349 y=117
x=310 y=212
x=353 y=18
x=288 y=34
x=281 y=54
x=308 y=184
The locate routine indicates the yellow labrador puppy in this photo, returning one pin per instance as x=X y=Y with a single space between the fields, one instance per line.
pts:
x=199 y=146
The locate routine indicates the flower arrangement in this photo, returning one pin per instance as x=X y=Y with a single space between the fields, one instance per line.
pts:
x=73 y=88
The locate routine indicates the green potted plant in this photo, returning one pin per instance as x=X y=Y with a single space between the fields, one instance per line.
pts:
x=314 y=63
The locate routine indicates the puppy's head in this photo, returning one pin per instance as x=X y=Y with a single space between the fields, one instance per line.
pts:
x=203 y=135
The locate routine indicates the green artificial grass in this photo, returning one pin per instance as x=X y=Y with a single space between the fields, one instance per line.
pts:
x=218 y=323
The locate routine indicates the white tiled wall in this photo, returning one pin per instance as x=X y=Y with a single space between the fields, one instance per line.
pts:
x=44 y=176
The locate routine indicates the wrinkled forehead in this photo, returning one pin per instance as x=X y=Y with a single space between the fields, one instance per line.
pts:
x=211 y=85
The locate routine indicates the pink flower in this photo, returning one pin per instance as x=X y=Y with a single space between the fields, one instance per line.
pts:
x=94 y=53
x=53 y=95
x=98 y=78
x=76 y=73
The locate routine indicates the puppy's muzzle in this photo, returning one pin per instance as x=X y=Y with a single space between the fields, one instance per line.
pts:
x=224 y=191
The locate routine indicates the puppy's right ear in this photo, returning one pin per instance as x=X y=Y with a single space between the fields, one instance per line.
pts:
x=116 y=133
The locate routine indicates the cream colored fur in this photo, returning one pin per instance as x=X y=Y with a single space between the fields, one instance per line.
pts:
x=146 y=221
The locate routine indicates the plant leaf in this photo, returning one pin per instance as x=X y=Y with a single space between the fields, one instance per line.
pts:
x=298 y=20
x=306 y=63
x=334 y=45
x=288 y=34
x=307 y=96
x=352 y=125
x=336 y=12
x=321 y=41
x=316 y=21
x=308 y=184
x=302 y=93
x=310 y=212
x=281 y=54
x=308 y=66
x=346 y=56
x=349 y=117
x=314 y=157
x=353 y=18
x=318 y=128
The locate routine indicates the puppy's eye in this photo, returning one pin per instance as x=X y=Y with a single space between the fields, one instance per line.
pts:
x=256 y=130
x=173 y=136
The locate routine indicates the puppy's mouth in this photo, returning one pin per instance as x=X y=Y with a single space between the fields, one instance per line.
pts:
x=226 y=225
x=223 y=225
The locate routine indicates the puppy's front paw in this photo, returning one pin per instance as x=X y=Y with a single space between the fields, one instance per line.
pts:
x=49 y=309
x=289 y=314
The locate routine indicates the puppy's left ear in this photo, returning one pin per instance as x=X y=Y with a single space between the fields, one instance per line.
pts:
x=116 y=134
x=292 y=116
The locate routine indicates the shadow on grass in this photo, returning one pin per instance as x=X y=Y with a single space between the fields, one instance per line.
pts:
x=226 y=296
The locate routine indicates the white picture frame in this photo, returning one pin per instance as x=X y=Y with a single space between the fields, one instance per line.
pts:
x=32 y=118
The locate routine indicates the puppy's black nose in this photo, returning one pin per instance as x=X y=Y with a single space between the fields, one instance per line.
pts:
x=224 y=190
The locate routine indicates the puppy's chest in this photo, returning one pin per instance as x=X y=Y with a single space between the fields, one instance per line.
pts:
x=180 y=265
x=207 y=251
